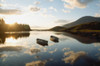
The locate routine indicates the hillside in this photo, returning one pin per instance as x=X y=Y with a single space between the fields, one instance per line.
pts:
x=89 y=26
x=86 y=27
x=82 y=20
x=58 y=28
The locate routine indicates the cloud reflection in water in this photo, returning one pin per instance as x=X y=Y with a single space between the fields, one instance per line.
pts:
x=72 y=56
x=37 y=63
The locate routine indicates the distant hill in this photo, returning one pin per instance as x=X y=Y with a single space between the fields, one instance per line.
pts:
x=84 y=23
x=58 y=28
x=82 y=20
x=86 y=26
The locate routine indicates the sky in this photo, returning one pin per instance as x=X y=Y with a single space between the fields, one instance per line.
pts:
x=47 y=13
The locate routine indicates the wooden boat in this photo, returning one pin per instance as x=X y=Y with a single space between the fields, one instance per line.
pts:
x=54 y=39
x=42 y=42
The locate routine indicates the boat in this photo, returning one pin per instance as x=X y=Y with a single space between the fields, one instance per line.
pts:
x=42 y=42
x=54 y=38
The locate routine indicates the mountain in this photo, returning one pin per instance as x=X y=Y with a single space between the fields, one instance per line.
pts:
x=86 y=26
x=58 y=28
x=82 y=20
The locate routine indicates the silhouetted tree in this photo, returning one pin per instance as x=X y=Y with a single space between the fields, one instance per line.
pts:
x=14 y=27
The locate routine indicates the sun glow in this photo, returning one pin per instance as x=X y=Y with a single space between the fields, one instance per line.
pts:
x=11 y=40
x=33 y=19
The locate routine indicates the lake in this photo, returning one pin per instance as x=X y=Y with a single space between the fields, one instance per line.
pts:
x=21 y=49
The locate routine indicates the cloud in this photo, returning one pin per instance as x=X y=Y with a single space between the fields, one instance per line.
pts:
x=65 y=11
x=9 y=11
x=1 y=5
x=72 y=56
x=34 y=8
x=2 y=0
x=52 y=8
x=76 y=3
x=61 y=21
x=36 y=2
x=37 y=63
x=97 y=15
x=51 y=0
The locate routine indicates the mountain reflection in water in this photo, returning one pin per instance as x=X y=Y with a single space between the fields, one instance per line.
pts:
x=85 y=37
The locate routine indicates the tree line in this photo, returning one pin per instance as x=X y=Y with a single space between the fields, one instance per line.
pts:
x=14 y=27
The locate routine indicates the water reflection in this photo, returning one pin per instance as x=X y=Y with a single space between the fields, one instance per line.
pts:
x=80 y=58
x=10 y=48
x=32 y=51
x=56 y=41
x=12 y=36
x=3 y=55
x=42 y=44
x=72 y=56
x=37 y=63
x=87 y=39
x=67 y=52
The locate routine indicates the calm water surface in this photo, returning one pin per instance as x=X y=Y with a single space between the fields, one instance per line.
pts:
x=21 y=49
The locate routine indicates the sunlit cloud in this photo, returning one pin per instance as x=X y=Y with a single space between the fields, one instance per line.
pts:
x=52 y=8
x=61 y=21
x=36 y=3
x=65 y=11
x=50 y=0
x=97 y=15
x=76 y=3
x=1 y=5
x=2 y=0
x=9 y=11
x=34 y=8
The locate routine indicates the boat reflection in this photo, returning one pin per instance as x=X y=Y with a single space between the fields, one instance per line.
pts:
x=42 y=44
x=54 y=39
